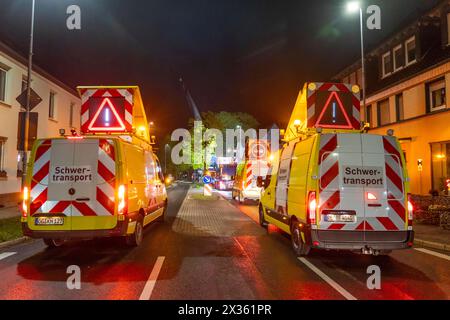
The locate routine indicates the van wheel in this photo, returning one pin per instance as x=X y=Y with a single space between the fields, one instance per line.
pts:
x=300 y=248
x=53 y=243
x=262 y=222
x=135 y=239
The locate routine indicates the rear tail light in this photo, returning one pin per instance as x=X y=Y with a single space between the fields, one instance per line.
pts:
x=371 y=196
x=410 y=211
x=122 y=198
x=25 y=197
x=312 y=206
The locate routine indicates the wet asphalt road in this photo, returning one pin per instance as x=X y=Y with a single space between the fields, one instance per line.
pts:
x=214 y=250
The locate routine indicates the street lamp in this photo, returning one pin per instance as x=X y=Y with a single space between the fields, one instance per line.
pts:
x=27 y=111
x=352 y=7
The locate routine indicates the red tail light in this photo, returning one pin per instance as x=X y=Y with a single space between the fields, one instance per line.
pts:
x=312 y=207
x=25 y=198
x=371 y=196
x=410 y=211
x=122 y=206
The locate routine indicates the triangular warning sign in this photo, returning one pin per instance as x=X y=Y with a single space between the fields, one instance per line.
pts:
x=106 y=118
x=336 y=116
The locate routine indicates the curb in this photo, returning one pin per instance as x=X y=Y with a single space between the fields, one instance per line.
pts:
x=434 y=245
x=13 y=242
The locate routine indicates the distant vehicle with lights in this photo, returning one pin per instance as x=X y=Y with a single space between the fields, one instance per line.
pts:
x=106 y=182
x=226 y=174
x=256 y=166
x=333 y=186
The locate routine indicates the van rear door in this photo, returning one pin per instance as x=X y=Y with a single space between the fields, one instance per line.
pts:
x=341 y=205
x=93 y=205
x=47 y=198
x=385 y=203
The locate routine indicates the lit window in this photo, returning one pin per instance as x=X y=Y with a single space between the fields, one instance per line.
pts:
x=440 y=157
x=399 y=58
x=387 y=64
x=437 y=95
x=3 y=84
x=51 y=106
x=410 y=51
x=369 y=114
x=384 y=114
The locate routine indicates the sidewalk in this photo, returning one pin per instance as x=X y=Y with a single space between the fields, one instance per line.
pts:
x=432 y=236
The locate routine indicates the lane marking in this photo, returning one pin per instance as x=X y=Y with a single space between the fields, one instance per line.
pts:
x=150 y=285
x=5 y=255
x=433 y=253
x=347 y=295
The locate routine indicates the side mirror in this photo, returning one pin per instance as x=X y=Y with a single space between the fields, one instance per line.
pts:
x=260 y=182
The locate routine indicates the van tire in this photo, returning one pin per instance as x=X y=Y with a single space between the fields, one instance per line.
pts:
x=262 y=222
x=53 y=243
x=135 y=239
x=300 y=248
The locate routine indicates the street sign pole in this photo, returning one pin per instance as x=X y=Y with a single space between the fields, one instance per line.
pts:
x=27 y=111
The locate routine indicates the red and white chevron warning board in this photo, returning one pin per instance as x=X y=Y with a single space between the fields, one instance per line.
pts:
x=106 y=110
x=377 y=171
x=103 y=178
x=333 y=106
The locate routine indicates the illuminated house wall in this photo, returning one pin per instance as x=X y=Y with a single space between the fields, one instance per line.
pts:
x=13 y=71
x=408 y=93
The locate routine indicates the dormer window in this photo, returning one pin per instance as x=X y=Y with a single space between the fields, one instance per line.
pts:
x=399 y=58
x=410 y=51
x=387 y=64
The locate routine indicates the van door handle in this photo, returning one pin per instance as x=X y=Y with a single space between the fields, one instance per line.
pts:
x=82 y=199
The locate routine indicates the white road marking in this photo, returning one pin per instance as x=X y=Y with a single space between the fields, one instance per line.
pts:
x=5 y=255
x=150 y=285
x=433 y=253
x=347 y=295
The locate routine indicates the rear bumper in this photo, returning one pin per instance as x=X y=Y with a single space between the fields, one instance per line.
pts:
x=254 y=194
x=119 y=230
x=352 y=240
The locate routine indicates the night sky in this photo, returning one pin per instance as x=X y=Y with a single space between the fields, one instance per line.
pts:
x=248 y=55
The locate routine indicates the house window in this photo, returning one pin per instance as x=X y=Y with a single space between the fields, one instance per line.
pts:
x=369 y=114
x=399 y=58
x=399 y=107
x=410 y=51
x=437 y=95
x=3 y=84
x=387 y=64
x=72 y=106
x=384 y=114
x=440 y=153
x=24 y=84
x=2 y=156
x=51 y=105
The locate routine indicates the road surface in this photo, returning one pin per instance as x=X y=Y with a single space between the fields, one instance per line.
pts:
x=214 y=249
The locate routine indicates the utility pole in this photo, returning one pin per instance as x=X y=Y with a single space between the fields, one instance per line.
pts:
x=27 y=111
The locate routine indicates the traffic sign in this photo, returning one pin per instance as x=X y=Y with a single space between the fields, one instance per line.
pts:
x=35 y=99
x=207 y=179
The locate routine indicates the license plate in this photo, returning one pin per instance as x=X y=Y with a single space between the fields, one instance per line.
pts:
x=340 y=218
x=49 y=221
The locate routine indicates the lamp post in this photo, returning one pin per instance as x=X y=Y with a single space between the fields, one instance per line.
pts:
x=27 y=111
x=166 y=147
x=353 y=7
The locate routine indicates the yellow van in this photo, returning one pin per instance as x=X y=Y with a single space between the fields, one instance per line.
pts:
x=340 y=191
x=84 y=187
